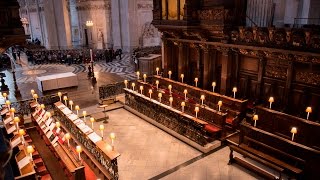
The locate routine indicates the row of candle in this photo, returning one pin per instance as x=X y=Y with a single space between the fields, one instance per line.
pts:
x=294 y=130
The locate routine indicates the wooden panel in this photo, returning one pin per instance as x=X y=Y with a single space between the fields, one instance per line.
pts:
x=249 y=64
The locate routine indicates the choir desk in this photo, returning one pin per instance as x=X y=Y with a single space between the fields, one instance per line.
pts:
x=57 y=81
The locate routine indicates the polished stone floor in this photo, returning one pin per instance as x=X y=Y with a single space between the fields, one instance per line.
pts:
x=146 y=151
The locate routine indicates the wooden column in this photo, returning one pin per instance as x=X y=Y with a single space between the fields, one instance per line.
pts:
x=226 y=63
x=206 y=68
x=181 y=61
x=262 y=63
x=288 y=83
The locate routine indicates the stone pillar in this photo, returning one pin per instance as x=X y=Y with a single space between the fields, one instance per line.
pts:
x=181 y=64
x=226 y=63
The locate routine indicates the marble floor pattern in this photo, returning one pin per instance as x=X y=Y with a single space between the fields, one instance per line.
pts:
x=146 y=151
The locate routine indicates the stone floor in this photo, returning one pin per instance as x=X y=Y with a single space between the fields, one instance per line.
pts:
x=146 y=151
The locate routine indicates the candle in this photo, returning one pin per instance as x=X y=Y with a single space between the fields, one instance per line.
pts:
x=92 y=120
x=35 y=96
x=21 y=134
x=5 y=95
x=271 y=100
x=185 y=94
x=79 y=150
x=91 y=56
x=42 y=106
x=71 y=104
x=12 y=110
x=133 y=84
x=126 y=83
x=67 y=137
x=58 y=124
x=144 y=77
x=234 y=90
x=202 y=97
x=48 y=114
x=308 y=110
x=157 y=70
x=157 y=83
x=84 y=113
x=170 y=100
x=150 y=92
x=196 y=81
x=17 y=120
x=138 y=75
x=293 y=131
x=32 y=92
x=196 y=109
x=101 y=128
x=255 y=118
x=182 y=76
x=170 y=87
x=219 y=104
x=77 y=108
x=8 y=103
x=65 y=98
x=59 y=94
x=213 y=86
x=182 y=106
x=160 y=96
x=141 y=89
x=169 y=73
x=30 y=150
x=112 y=137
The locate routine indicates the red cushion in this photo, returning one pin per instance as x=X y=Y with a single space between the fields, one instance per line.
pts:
x=229 y=120
x=46 y=177
x=210 y=128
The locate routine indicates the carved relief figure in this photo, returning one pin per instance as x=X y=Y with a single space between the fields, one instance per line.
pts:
x=100 y=35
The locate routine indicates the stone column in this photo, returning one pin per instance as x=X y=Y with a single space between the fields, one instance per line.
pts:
x=181 y=64
x=226 y=63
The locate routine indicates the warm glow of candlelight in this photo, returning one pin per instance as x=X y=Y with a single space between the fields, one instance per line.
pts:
x=157 y=70
x=48 y=114
x=196 y=109
x=78 y=149
x=58 y=124
x=234 y=89
x=8 y=102
x=133 y=85
x=22 y=132
x=126 y=83
x=293 y=131
x=16 y=119
x=138 y=75
x=271 y=99
x=309 y=110
x=92 y=119
x=32 y=92
x=169 y=73
x=144 y=77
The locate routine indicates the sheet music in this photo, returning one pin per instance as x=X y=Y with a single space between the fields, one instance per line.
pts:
x=36 y=112
x=55 y=140
x=48 y=122
x=66 y=111
x=87 y=130
x=46 y=130
x=50 y=133
x=43 y=126
x=6 y=121
x=94 y=137
x=34 y=104
x=4 y=111
x=23 y=162
x=11 y=129
x=52 y=126
x=15 y=142
x=73 y=117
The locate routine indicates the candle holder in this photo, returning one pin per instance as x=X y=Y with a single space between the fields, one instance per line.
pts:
x=92 y=121
x=71 y=104
x=65 y=98
x=84 y=113
x=213 y=86
x=271 y=100
x=169 y=73
x=255 y=118
x=141 y=89
x=157 y=70
x=5 y=95
x=101 y=128
x=157 y=84
x=234 y=90
x=196 y=109
x=126 y=83
x=160 y=96
x=293 y=131
x=150 y=92
x=8 y=103
x=79 y=150
x=196 y=81
x=308 y=111
x=32 y=92
x=138 y=75
x=183 y=104
x=202 y=97
x=67 y=137
x=35 y=96
x=185 y=94
x=170 y=87
x=171 y=100
x=77 y=108
x=60 y=95
x=133 y=85
x=144 y=78
x=219 y=104
x=12 y=111
x=112 y=137
x=21 y=134
x=30 y=150
x=16 y=120
x=182 y=76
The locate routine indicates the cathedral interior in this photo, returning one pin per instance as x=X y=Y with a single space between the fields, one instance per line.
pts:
x=159 y=89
